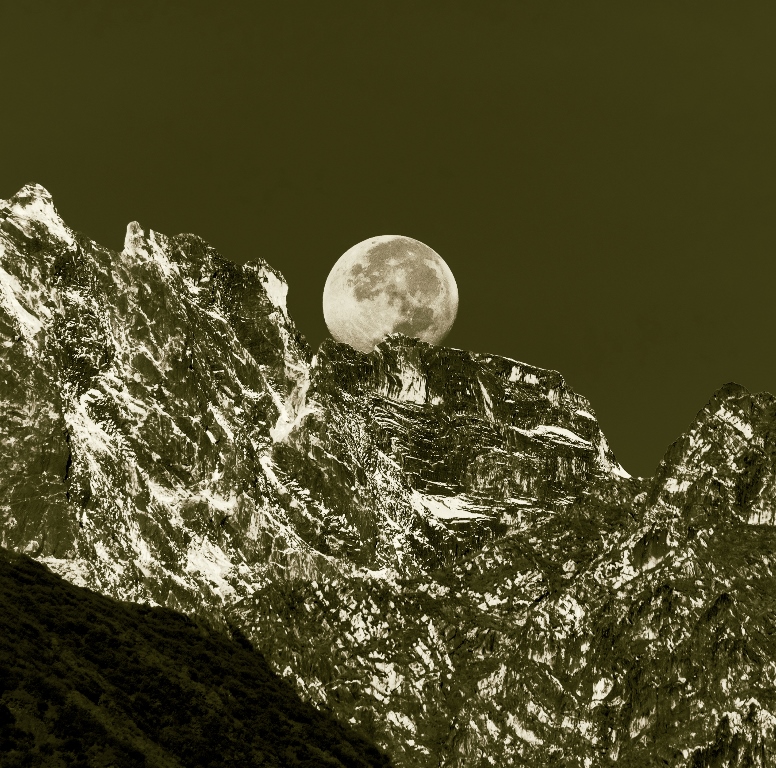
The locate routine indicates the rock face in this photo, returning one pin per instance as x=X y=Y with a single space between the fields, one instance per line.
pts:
x=436 y=545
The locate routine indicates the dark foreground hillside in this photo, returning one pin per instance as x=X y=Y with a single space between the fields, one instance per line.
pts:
x=88 y=681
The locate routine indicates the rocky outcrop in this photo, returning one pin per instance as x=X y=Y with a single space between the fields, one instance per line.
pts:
x=723 y=468
x=437 y=545
x=476 y=446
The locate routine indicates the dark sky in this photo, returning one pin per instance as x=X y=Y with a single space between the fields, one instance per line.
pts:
x=600 y=176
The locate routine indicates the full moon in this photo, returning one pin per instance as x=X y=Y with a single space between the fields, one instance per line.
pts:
x=389 y=284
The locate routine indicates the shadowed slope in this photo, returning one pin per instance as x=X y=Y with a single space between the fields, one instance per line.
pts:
x=88 y=681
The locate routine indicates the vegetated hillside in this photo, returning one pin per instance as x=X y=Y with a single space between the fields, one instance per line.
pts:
x=89 y=681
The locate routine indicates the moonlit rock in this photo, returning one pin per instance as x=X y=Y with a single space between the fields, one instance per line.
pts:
x=33 y=204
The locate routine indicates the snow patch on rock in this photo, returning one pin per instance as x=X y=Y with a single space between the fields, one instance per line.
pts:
x=10 y=291
x=33 y=203
x=447 y=507
x=277 y=289
x=210 y=561
x=735 y=421
x=557 y=434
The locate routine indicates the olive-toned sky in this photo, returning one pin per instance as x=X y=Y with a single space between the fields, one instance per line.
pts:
x=600 y=176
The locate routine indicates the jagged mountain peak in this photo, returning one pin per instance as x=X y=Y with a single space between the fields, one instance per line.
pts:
x=33 y=206
x=198 y=261
x=134 y=237
x=436 y=544
x=731 y=394
x=723 y=469
x=31 y=198
x=504 y=401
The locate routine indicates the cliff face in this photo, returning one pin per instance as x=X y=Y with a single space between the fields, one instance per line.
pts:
x=723 y=468
x=480 y=446
x=437 y=545
x=134 y=405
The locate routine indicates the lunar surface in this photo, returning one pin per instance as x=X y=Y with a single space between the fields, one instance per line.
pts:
x=389 y=284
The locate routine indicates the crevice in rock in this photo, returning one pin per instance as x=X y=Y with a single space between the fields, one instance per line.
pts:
x=68 y=463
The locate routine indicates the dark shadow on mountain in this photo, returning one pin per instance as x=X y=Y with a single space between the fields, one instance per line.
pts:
x=89 y=681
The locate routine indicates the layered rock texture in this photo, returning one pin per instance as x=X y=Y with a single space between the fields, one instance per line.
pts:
x=435 y=545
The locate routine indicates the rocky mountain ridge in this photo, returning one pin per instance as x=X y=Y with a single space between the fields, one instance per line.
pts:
x=437 y=545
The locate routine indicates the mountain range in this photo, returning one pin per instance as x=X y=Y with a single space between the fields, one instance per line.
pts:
x=437 y=547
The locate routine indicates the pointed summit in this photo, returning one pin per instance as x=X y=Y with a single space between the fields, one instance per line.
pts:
x=31 y=192
x=134 y=231
x=32 y=206
x=134 y=240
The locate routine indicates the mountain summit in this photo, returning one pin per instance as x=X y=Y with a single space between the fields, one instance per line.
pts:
x=436 y=545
